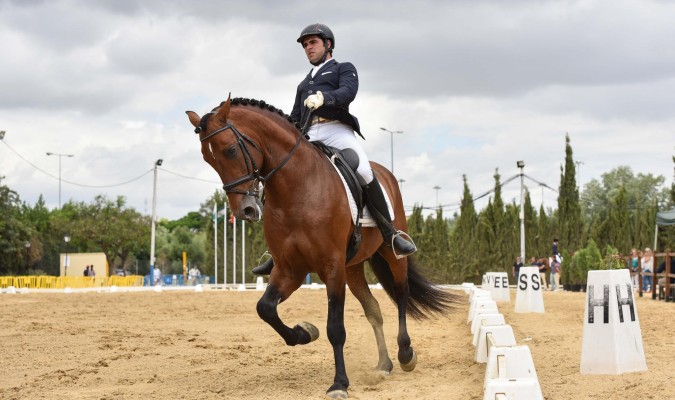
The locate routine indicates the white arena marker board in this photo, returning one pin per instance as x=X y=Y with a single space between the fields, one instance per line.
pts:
x=486 y=319
x=483 y=294
x=612 y=340
x=510 y=363
x=480 y=304
x=529 y=295
x=501 y=335
x=497 y=283
x=517 y=389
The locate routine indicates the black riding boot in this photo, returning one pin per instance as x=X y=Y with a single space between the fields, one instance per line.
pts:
x=378 y=208
x=265 y=268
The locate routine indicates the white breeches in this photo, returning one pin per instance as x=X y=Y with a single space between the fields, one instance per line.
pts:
x=341 y=136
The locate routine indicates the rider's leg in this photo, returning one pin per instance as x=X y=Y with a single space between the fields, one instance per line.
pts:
x=378 y=208
x=265 y=268
x=342 y=136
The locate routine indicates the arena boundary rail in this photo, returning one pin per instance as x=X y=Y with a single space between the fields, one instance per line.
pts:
x=74 y=282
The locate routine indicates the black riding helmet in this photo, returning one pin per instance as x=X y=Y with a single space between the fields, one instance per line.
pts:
x=320 y=30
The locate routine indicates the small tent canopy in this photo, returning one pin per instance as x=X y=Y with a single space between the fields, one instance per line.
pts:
x=663 y=218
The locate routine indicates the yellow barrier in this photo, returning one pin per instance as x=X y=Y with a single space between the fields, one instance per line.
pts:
x=74 y=282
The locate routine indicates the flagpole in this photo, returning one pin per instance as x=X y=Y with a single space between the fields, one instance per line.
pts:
x=224 y=244
x=215 y=242
x=243 y=253
x=234 y=249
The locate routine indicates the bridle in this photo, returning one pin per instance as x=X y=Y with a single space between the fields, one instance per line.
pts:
x=252 y=170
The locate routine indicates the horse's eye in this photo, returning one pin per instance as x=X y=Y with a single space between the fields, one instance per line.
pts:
x=230 y=152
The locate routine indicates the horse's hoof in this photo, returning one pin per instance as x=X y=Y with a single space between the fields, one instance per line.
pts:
x=384 y=368
x=337 y=394
x=311 y=330
x=411 y=364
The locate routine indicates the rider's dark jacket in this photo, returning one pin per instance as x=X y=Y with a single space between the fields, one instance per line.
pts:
x=338 y=82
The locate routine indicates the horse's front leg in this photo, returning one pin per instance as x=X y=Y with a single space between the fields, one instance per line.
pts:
x=337 y=335
x=275 y=293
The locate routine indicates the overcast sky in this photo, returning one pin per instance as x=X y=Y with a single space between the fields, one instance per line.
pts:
x=475 y=85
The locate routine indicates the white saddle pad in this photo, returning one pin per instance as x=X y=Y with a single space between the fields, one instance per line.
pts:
x=366 y=220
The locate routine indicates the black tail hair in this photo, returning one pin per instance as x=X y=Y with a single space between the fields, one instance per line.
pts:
x=425 y=299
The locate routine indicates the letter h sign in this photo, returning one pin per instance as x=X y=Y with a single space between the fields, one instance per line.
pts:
x=604 y=303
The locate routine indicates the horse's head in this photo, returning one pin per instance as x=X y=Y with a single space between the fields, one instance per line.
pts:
x=235 y=156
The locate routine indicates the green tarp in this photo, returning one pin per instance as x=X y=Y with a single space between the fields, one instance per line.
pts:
x=665 y=218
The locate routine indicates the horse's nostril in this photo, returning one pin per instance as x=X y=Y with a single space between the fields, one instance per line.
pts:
x=251 y=214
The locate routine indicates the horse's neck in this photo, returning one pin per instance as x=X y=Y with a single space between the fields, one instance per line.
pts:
x=303 y=172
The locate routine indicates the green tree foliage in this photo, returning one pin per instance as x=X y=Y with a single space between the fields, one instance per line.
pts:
x=640 y=198
x=615 y=211
x=462 y=238
x=106 y=225
x=569 y=212
x=15 y=231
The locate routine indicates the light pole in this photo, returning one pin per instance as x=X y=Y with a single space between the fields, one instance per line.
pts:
x=437 y=188
x=66 y=261
x=26 y=244
x=60 y=155
x=400 y=185
x=521 y=165
x=158 y=163
x=392 y=146
x=578 y=163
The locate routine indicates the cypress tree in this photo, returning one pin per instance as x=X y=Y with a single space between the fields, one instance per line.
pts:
x=463 y=239
x=569 y=212
x=618 y=222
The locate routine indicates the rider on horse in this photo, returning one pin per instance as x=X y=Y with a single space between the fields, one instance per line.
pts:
x=324 y=96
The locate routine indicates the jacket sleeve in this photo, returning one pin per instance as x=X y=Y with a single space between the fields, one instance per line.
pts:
x=295 y=114
x=347 y=88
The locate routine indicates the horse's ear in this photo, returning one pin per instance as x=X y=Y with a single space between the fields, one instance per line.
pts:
x=194 y=118
x=224 y=110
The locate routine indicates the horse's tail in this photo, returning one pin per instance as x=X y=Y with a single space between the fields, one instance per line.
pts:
x=424 y=298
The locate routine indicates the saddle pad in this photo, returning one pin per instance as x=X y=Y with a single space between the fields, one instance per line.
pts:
x=366 y=220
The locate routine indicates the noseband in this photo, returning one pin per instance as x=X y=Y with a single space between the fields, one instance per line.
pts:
x=253 y=172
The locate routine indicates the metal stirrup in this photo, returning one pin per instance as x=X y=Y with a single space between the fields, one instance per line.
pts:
x=407 y=238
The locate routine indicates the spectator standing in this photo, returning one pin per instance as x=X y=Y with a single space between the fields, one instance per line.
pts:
x=86 y=271
x=541 y=263
x=194 y=274
x=516 y=268
x=554 y=250
x=634 y=267
x=647 y=269
x=555 y=274
x=157 y=274
x=92 y=273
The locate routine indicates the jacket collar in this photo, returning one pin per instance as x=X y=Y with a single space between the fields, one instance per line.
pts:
x=326 y=64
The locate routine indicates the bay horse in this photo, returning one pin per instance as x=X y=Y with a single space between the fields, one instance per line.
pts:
x=307 y=226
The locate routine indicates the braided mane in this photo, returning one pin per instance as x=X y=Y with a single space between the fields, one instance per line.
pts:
x=262 y=104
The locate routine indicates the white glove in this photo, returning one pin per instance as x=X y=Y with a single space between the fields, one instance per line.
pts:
x=314 y=101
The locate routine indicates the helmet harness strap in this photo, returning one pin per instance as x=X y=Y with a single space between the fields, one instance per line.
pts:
x=325 y=52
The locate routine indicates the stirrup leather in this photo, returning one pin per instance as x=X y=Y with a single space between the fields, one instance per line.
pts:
x=406 y=237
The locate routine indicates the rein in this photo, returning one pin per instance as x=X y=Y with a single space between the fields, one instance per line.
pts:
x=253 y=172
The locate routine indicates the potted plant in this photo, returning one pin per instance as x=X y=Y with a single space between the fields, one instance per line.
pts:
x=574 y=270
x=612 y=260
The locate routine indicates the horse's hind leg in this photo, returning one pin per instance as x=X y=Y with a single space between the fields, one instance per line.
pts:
x=359 y=287
x=302 y=333
x=398 y=276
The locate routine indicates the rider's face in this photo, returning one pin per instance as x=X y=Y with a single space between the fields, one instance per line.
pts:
x=314 y=48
